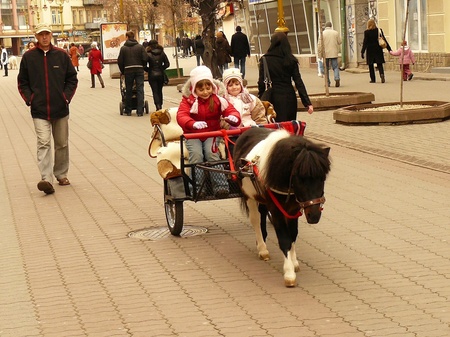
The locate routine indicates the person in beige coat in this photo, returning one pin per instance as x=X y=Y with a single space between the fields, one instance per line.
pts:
x=331 y=42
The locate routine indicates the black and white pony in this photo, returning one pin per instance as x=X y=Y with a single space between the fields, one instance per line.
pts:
x=282 y=174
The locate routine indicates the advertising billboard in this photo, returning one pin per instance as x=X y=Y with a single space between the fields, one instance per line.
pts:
x=112 y=37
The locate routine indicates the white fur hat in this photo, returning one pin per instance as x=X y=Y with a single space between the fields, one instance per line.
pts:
x=201 y=73
x=231 y=73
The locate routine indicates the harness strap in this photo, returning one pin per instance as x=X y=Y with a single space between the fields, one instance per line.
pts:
x=227 y=140
x=280 y=207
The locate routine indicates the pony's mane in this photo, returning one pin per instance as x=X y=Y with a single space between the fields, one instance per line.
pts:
x=295 y=156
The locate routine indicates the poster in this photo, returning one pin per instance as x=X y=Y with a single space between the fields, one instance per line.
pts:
x=112 y=37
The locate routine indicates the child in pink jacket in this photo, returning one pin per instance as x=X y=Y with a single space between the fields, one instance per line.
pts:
x=408 y=58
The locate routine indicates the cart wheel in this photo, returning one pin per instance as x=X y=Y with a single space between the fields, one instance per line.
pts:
x=174 y=212
x=146 y=107
x=121 y=107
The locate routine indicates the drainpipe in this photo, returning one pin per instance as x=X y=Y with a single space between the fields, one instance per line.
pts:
x=344 y=35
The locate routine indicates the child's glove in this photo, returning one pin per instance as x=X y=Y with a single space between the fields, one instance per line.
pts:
x=232 y=119
x=200 y=125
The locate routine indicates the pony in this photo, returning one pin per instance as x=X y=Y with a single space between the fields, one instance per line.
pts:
x=12 y=62
x=280 y=175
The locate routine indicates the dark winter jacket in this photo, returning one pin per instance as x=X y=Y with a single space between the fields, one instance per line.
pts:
x=157 y=62
x=47 y=82
x=223 y=51
x=239 y=45
x=282 y=72
x=199 y=46
x=370 y=44
x=132 y=57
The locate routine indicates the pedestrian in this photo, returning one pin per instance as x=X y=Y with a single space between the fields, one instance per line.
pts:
x=200 y=110
x=74 y=56
x=158 y=62
x=374 y=51
x=145 y=43
x=96 y=59
x=47 y=82
x=4 y=59
x=223 y=51
x=329 y=47
x=30 y=45
x=178 y=41
x=240 y=49
x=186 y=42
x=250 y=107
x=283 y=69
x=81 y=51
x=131 y=60
x=406 y=57
x=199 y=47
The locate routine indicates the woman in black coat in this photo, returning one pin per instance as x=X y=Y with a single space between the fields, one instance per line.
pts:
x=157 y=64
x=283 y=69
x=374 y=51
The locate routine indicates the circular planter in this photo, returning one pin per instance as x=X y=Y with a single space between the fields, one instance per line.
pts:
x=432 y=111
x=335 y=100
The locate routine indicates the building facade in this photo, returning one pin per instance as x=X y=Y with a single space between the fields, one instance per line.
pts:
x=71 y=21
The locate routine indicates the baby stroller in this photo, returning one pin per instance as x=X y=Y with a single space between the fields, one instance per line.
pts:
x=123 y=91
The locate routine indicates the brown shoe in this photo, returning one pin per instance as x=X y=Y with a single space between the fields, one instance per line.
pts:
x=338 y=83
x=45 y=187
x=63 y=181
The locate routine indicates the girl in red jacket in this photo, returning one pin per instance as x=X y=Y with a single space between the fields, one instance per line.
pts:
x=200 y=110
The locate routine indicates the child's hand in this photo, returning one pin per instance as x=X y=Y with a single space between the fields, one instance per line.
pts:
x=232 y=119
x=200 y=125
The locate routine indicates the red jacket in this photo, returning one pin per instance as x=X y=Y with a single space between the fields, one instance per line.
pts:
x=186 y=119
x=96 y=58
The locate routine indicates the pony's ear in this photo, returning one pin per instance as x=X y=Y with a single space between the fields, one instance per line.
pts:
x=326 y=150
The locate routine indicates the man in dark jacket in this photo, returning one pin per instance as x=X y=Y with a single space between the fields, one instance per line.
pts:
x=240 y=49
x=47 y=81
x=131 y=61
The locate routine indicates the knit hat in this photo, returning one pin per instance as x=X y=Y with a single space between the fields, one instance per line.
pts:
x=231 y=73
x=201 y=73
x=234 y=73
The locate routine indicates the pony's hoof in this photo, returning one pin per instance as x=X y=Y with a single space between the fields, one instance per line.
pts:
x=296 y=268
x=264 y=256
x=289 y=283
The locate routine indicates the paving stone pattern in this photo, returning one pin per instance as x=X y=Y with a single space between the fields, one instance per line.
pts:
x=377 y=264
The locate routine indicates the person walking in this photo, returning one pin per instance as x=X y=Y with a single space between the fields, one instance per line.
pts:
x=374 y=51
x=283 y=69
x=330 y=50
x=4 y=60
x=47 y=82
x=199 y=49
x=240 y=49
x=131 y=60
x=158 y=62
x=406 y=57
x=223 y=52
x=74 y=56
x=96 y=59
x=81 y=51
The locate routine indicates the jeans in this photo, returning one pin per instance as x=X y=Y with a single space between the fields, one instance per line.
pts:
x=201 y=151
x=198 y=56
x=44 y=129
x=130 y=79
x=239 y=63
x=334 y=65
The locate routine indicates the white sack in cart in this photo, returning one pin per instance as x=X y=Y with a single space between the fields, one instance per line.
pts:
x=167 y=157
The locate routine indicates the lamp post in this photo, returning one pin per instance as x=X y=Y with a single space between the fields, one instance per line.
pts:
x=60 y=5
x=280 y=21
x=37 y=8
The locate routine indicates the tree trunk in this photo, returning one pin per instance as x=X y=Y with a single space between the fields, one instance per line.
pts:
x=209 y=35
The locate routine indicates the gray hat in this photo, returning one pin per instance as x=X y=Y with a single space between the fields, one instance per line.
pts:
x=42 y=27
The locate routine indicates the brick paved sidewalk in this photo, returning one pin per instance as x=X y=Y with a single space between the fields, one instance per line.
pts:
x=376 y=265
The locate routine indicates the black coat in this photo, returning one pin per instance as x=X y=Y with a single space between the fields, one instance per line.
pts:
x=239 y=45
x=370 y=44
x=282 y=72
x=199 y=47
x=157 y=63
x=223 y=51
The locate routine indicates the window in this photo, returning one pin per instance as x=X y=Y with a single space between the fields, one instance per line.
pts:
x=416 y=32
x=7 y=14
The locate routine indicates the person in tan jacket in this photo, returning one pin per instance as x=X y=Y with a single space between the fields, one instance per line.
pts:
x=331 y=43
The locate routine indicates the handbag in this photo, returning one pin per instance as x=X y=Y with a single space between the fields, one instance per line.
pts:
x=381 y=40
x=267 y=94
x=89 y=64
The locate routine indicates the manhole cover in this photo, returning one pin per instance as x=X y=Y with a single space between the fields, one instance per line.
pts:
x=163 y=232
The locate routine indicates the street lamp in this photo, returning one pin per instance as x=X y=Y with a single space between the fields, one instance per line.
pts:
x=60 y=4
x=36 y=9
x=280 y=21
